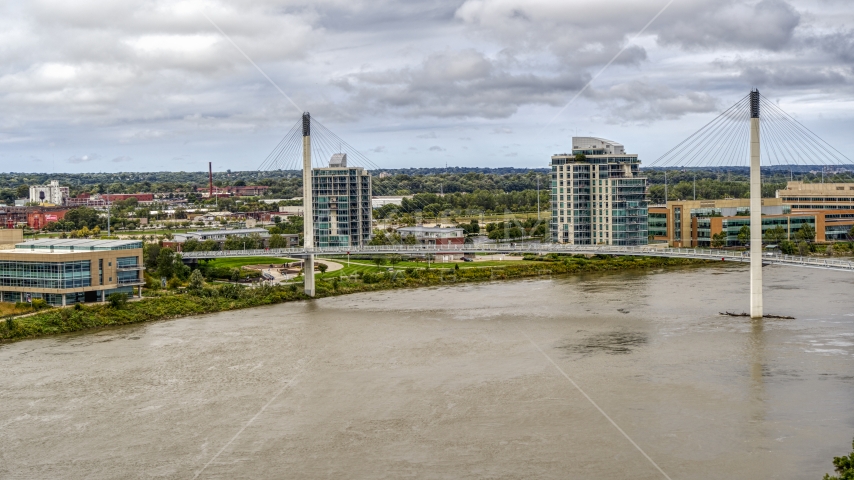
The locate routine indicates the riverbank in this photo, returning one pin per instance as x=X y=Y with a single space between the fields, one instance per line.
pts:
x=211 y=299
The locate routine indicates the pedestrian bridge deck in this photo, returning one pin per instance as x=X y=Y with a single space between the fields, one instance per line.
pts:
x=543 y=248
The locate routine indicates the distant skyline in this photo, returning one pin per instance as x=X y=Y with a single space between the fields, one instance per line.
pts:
x=89 y=86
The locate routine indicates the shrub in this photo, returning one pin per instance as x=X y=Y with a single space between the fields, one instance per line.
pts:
x=117 y=300
x=197 y=281
x=231 y=290
x=39 y=304
x=844 y=466
x=78 y=307
x=173 y=283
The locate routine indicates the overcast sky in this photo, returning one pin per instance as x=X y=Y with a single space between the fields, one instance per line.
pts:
x=94 y=85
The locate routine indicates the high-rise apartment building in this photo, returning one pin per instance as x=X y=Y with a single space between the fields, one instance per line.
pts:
x=598 y=196
x=341 y=204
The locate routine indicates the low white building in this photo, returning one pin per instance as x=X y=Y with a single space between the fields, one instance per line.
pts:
x=381 y=201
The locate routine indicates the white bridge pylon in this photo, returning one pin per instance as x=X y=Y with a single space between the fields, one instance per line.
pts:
x=755 y=211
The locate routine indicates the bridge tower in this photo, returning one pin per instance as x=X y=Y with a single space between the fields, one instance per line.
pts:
x=308 y=210
x=755 y=211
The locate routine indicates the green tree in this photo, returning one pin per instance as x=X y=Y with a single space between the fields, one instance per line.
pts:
x=787 y=247
x=322 y=267
x=233 y=242
x=775 y=235
x=806 y=233
x=409 y=239
x=803 y=248
x=191 y=245
x=151 y=255
x=117 y=300
x=394 y=259
x=23 y=191
x=278 y=241
x=719 y=240
x=197 y=281
x=379 y=260
x=166 y=263
x=844 y=467
x=744 y=235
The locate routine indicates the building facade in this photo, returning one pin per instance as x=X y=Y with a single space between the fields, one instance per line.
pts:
x=64 y=272
x=598 y=196
x=220 y=236
x=51 y=193
x=818 y=196
x=434 y=235
x=694 y=223
x=341 y=204
x=35 y=217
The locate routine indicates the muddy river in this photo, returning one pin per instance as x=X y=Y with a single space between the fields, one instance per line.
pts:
x=602 y=376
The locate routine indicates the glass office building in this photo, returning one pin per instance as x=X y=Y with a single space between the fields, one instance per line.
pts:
x=64 y=272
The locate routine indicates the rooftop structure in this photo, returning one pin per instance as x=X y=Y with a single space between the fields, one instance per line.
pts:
x=818 y=196
x=338 y=160
x=77 y=245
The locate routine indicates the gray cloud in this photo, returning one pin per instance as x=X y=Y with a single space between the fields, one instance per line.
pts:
x=378 y=149
x=463 y=84
x=436 y=148
x=641 y=101
x=768 y=24
x=123 y=158
x=157 y=80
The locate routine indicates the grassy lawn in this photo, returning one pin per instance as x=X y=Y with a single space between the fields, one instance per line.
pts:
x=366 y=266
x=236 y=262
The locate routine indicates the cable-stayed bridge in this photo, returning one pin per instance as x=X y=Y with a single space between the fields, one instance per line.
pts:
x=733 y=137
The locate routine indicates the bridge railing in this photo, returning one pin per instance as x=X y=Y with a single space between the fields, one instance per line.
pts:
x=506 y=248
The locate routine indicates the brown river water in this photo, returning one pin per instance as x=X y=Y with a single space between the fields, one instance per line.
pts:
x=460 y=381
